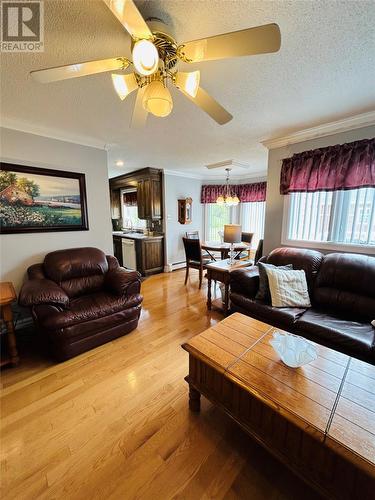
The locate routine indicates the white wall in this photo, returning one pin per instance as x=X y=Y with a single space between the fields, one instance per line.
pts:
x=275 y=201
x=176 y=187
x=18 y=251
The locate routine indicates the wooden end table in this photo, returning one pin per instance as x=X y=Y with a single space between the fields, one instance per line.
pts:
x=319 y=420
x=220 y=271
x=7 y=297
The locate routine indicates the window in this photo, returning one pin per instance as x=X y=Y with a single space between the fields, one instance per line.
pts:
x=215 y=218
x=341 y=217
x=249 y=215
x=252 y=219
x=130 y=213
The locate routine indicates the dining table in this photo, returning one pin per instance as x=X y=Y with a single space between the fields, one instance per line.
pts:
x=223 y=249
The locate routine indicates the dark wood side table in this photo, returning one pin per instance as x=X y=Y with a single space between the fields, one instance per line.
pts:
x=220 y=271
x=7 y=297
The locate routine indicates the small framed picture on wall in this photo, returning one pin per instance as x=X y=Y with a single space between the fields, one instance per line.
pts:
x=35 y=200
x=185 y=211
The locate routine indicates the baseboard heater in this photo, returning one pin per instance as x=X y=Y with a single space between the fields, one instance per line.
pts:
x=174 y=266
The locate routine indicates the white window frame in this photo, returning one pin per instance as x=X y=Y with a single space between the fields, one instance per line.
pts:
x=318 y=245
x=122 y=192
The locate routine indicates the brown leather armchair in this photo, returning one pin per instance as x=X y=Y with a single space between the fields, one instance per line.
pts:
x=80 y=298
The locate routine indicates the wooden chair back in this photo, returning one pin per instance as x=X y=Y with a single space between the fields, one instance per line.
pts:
x=192 y=249
x=259 y=252
x=247 y=237
x=192 y=235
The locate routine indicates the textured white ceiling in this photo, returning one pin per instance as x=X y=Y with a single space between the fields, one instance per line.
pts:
x=324 y=71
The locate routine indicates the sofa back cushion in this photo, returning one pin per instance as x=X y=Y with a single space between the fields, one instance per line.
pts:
x=300 y=258
x=346 y=284
x=77 y=270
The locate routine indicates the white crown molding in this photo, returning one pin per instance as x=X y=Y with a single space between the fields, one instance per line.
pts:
x=219 y=177
x=50 y=133
x=344 y=125
x=179 y=173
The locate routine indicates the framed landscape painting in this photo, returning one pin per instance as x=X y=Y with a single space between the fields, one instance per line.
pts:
x=39 y=200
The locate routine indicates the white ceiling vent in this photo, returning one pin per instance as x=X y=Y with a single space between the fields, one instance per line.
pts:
x=227 y=164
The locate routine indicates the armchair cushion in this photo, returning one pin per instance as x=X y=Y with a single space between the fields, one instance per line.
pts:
x=118 y=281
x=42 y=291
x=83 y=310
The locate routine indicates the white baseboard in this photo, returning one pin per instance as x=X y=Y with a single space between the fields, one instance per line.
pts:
x=173 y=267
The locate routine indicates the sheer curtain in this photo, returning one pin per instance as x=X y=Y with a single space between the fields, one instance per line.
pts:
x=333 y=216
x=252 y=219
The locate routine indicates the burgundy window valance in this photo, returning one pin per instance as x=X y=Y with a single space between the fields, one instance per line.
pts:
x=246 y=192
x=346 y=166
x=130 y=199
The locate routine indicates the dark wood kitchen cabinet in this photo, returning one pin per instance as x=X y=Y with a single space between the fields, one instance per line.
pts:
x=152 y=256
x=149 y=199
x=148 y=183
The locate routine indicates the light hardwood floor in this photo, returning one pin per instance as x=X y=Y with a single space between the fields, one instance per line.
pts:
x=114 y=422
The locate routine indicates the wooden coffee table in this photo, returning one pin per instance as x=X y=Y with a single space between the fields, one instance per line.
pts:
x=319 y=419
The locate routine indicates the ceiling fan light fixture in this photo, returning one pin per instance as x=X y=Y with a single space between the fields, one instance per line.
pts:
x=157 y=99
x=188 y=82
x=145 y=57
x=124 y=84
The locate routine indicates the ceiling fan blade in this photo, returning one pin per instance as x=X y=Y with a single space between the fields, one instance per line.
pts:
x=204 y=101
x=79 y=69
x=248 y=42
x=130 y=17
x=139 y=116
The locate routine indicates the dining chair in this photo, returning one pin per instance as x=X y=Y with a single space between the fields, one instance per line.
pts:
x=194 y=258
x=259 y=252
x=245 y=238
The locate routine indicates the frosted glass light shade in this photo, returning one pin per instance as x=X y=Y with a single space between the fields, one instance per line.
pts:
x=188 y=82
x=220 y=200
x=124 y=84
x=145 y=57
x=232 y=233
x=157 y=99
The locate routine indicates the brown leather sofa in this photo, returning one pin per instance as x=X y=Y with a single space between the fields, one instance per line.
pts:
x=342 y=294
x=80 y=298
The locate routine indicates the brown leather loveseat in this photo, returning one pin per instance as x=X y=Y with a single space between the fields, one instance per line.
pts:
x=342 y=294
x=80 y=298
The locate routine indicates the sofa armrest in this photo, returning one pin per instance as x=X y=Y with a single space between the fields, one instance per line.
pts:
x=245 y=281
x=41 y=291
x=120 y=281
x=112 y=262
x=36 y=272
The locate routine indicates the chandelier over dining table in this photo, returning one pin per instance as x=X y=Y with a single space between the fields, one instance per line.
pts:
x=228 y=198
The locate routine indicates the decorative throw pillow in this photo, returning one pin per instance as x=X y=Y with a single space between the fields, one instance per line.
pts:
x=264 y=289
x=373 y=323
x=288 y=288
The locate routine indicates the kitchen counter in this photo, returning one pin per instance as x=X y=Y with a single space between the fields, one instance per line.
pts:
x=137 y=236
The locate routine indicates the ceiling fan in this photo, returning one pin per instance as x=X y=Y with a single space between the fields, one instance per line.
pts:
x=155 y=55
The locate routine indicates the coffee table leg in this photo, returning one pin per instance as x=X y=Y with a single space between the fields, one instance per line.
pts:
x=194 y=399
